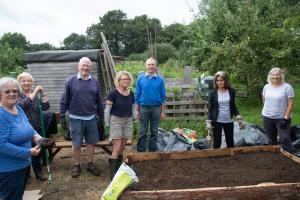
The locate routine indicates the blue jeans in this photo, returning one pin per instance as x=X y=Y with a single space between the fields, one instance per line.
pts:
x=12 y=184
x=148 y=114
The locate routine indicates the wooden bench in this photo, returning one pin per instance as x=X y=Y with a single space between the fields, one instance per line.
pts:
x=59 y=144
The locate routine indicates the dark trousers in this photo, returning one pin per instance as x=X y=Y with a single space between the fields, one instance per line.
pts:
x=272 y=129
x=12 y=184
x=217 y=134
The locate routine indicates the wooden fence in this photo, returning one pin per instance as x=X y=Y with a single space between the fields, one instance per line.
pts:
x=183 y=102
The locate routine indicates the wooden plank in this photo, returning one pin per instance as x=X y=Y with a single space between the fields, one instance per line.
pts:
x=68 y=144
x=185 y=103
x=186 y=94
x=104 y=73
x=289 y=155
x=133 y=157
x=180 y=110
x=266 y=191
x=190 y=117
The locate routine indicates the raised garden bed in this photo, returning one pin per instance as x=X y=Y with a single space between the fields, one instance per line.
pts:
x=238 y=173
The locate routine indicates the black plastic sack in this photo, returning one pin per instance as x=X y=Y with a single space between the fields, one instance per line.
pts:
x=171 y=141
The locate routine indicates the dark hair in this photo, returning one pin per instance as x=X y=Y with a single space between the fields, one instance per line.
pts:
x=224 y=76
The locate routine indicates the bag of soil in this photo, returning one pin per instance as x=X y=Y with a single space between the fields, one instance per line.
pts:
x=124 y=178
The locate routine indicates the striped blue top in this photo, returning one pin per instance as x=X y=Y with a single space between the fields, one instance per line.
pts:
x=15 y=140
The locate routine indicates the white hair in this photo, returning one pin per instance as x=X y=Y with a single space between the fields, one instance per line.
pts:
x=85 y=59
x=6 y=80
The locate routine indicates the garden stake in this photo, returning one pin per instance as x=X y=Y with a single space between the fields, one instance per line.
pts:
x=43 y=135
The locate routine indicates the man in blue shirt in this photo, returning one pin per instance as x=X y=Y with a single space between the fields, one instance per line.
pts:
x=150 y=108
x=81 y=98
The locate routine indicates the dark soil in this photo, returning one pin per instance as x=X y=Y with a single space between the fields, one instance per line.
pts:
x=238 y=170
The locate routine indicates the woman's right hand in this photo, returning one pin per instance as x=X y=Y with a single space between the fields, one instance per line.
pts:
x=38 y=89
x=34 y=151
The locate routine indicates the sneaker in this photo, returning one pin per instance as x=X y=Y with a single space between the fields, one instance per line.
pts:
x=93 y=169
x=76 y=171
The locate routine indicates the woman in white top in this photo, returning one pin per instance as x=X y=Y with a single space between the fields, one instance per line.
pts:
x=278 y=103
x=221 y=109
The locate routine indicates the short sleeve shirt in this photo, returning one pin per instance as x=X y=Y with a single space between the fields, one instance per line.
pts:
x=122 y=105
x=276 y=100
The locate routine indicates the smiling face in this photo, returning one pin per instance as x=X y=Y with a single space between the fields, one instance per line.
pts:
x=151 y=66
x=220 y=82
x=9 y=95
x=124 y=81
x=26 y=84
x=275 y=77
x=84 y=68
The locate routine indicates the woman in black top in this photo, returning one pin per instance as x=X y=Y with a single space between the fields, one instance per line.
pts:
x=118 y=116
x=221 y=109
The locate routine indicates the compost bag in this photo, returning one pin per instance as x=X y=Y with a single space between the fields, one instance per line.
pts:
x=124 y=178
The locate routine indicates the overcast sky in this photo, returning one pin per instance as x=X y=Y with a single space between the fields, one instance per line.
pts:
x=53 y=20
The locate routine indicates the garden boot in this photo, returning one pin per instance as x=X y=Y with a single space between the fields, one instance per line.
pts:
x=39 y=175
x=114 y=166
x=120 y=160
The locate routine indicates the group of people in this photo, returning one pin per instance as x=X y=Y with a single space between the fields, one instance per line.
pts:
x=81 y=100
x=276 y=113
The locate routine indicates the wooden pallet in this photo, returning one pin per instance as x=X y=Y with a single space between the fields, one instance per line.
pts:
x=185 y=103
x=261 y=191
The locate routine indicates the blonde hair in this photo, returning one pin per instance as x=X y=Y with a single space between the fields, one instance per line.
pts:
x=23 y=75
x=272 y=71
x=119 y=76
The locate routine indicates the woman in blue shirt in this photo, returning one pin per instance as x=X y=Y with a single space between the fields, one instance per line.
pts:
x=16 y=135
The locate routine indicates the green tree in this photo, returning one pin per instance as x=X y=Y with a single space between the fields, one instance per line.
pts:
x=246 y=39
x=10 y=60
x=112 y=25
x=164 y=52
x=42 y=46
x=139 y=32
x=75 y=41
x=175 y=34
x=15 y=40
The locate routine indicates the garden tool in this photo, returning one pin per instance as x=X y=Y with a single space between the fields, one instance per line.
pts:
x=43 y=135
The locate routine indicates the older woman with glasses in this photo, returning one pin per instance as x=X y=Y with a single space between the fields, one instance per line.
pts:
x=118 y=116
x=221 y=109
x=16 y=135
x=278 y=98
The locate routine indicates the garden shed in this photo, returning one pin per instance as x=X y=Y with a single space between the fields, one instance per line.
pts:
x=51 y=68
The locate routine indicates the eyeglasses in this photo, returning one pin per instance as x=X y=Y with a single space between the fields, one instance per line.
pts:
x=11 y=91
x=125 y=79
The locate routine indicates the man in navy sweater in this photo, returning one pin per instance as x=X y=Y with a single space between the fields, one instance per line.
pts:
x=81 y=98
x=150 y=108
